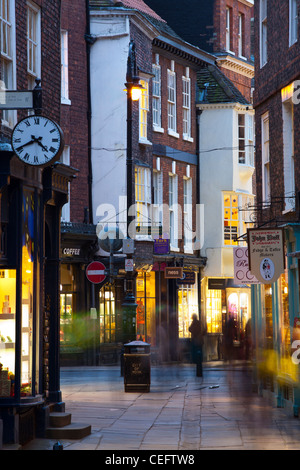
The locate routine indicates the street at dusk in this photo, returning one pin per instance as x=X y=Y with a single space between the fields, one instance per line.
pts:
x=149 y=227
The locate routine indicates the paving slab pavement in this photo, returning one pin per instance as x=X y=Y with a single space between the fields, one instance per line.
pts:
x=182 y=412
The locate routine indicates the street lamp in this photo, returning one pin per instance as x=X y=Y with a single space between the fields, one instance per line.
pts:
x=134 y=89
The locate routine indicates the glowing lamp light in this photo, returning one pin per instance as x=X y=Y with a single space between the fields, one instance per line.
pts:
x=136 y=92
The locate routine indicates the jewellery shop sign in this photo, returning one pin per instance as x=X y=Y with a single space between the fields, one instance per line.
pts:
x=266 y=254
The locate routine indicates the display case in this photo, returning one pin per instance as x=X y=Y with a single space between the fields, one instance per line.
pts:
x=7 y=331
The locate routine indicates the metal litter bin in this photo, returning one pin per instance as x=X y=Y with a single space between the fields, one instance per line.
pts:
x=137 y=367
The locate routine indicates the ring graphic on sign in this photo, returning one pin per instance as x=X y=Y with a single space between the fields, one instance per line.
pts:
x=240 y=275
x=267 y=269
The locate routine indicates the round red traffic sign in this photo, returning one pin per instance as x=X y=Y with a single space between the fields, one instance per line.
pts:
x=95 y=272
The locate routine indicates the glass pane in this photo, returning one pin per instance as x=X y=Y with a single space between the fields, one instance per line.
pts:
x=7 y=331
x=187 y=307
x=27 y=291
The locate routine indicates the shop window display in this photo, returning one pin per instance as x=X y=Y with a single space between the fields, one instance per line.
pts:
x=268 y=311
x=187 y=307
x=214 y=310
x=145 y=299
x=7 y=331
x=107 y=307
x=27 y=291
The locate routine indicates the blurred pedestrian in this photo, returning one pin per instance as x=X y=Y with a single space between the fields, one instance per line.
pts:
x=229 y=336
x=196 y=339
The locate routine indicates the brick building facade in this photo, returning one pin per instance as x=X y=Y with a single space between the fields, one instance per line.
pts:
x=220 y=27
x=31 y=201
x=277 y=178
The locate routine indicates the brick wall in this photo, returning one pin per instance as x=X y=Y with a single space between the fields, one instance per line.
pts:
x=165 y=138
x=178 y=144
x=220 y=26
x=282 y=67
x=283 y=63
x=50 y=55
x=74 y=116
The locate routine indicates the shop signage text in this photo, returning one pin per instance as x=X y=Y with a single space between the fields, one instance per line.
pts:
x=242 y=274
x=173 y=273
x=71 y=251
x=266 y=254
x=189 y=277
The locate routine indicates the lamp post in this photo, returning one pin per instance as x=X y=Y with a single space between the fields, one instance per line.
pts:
x=133 y=89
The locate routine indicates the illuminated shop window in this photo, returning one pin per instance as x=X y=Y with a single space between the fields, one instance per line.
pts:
x=7 y=331
x=268 y=312
x=107 y=314
x=187 y=306
x=145 y=299
x=28 y=211
x=214 y=310
x=285 y=314
x=231 y=219
x=66 y=305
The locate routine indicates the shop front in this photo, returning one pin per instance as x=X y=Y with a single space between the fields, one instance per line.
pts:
x=78 y=328
x=226 y=304
x=31 y=201
x=276 y=330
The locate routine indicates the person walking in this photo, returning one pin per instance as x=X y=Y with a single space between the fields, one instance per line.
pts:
x=196 y=343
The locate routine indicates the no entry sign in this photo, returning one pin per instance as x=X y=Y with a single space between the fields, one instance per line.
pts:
x=95 y=272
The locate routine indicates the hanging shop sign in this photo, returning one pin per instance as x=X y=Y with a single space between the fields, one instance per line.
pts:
x=266 y=253
x=216 y=284
x=95 y=272
x=189 y=277
x=161 y=246
x=173 y=272
x=242 y=273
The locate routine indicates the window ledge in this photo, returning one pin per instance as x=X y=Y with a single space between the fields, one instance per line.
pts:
x=174 y=248
x=293 y=43
x=65 y=101
x=158 y=129
x=187 y=138
x=173 y=133
x=144 y=142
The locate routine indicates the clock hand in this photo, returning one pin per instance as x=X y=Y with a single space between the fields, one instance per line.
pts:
x=25 y=145
x=41 y=145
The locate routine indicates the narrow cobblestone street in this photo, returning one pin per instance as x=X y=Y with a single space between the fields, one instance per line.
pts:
x=182 y=412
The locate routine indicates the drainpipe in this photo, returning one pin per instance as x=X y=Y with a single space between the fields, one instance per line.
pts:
x=198 y=201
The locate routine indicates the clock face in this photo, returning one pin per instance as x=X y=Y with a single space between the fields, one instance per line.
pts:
x=37 y=140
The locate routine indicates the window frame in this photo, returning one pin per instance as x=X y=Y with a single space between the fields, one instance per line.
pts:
x=241 y=34
x=265 y=157
x=144 y=112
x=8 y=58
x=33 y=43
x=172 y=101
x=143 y=197
x=64 y=48
x=293 y=22
x=156 y=97
x=263 y=30
x=186 y=107
x=188 y=214
x=173 y=211
x=231 y=222
x=288 y=134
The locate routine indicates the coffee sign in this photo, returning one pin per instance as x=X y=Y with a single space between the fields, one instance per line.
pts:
x=266 y=254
